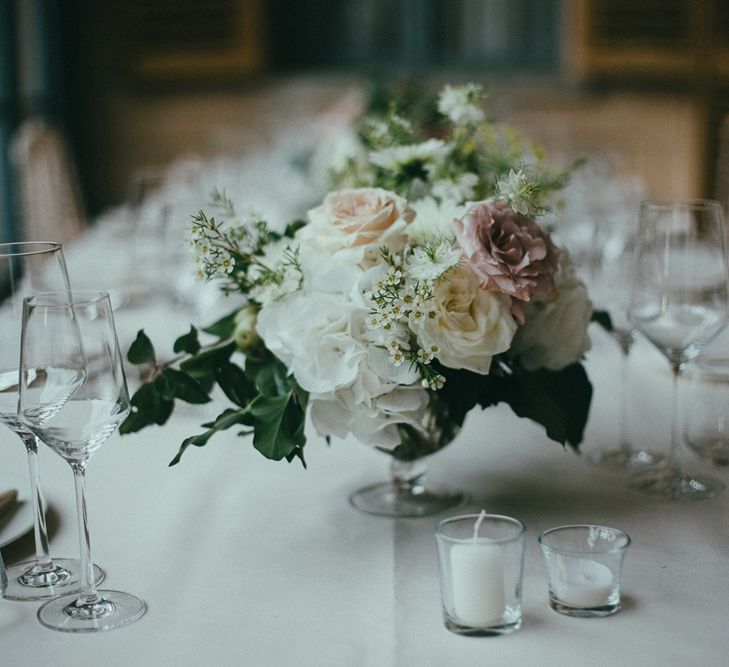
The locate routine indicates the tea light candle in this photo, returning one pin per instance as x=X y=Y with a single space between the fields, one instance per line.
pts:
x=582 y=582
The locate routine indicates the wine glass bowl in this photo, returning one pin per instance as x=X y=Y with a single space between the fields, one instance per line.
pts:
x=73 y=396
x=679 y=301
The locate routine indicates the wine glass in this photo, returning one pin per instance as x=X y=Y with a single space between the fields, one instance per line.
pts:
x=680 y=302
x=25 y=268
x=73 y=395
x=610 y=282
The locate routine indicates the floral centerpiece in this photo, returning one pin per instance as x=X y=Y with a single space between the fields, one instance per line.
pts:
x=422 y=286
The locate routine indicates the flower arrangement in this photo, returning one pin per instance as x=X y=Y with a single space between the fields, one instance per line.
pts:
x=423 y=285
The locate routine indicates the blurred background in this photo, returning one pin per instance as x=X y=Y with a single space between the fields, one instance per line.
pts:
x=151 y=82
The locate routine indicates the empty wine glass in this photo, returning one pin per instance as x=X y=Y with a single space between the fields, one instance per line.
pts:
x=680 y=302
x=25 y=268
x=73 y=395
x=610 y=283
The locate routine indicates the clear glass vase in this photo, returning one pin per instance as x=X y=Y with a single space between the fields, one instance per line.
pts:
x=407 y=493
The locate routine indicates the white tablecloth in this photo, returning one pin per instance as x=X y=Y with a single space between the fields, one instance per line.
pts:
x=244 y=561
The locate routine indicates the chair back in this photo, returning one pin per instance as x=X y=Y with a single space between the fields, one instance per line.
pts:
x=48 y=193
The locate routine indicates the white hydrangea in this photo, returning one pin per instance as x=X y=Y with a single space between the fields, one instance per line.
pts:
x=460 y=104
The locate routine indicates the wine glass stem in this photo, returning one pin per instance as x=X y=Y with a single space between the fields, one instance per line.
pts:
x=674 y=460
x=624 y=368
x=42 y=550
x=88 y=587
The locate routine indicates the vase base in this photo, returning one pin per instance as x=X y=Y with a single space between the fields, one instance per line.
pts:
x=386 y=499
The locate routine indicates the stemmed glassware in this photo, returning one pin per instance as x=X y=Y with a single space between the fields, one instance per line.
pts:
x=73 y=395
x=25 y=268
x=679 y=301
x=610 y=282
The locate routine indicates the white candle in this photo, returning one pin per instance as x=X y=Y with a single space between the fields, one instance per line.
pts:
x=581 y=582
x=477 y=571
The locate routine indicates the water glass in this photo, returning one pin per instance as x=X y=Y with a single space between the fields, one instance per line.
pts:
x=481 y=563
x=584 y=567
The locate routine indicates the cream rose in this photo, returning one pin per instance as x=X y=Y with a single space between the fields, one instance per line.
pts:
x=555 y=334
x=471 y=325
x=357 y=221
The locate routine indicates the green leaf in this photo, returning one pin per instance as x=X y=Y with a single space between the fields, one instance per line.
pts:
x=224 y=327
x=235 y=384
x=141 y=350
x=149 y=407
x=225 y=420
x=279 y=426
x=188 y=342
x=602 y=317
x=184 y=387
x=559 y=400
x=206 y=363
x=271 y=378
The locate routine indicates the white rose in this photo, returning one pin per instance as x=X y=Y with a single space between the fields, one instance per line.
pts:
x=369 y=409
x=353 y=222
x=555 y=333
x=471 y=325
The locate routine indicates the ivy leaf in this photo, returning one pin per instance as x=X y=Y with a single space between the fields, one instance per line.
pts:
x=188 y=342
x=184 y=387
x=224 y=327
x=235 y=384
x=279 y=426
x=558 y=400
x=206 y=363
x=602 y=317
x=149 y=407
x=141 y=350
x=224 y=420
x=271 y=377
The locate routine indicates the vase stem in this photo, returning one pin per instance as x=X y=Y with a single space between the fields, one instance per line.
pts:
x=407 y=476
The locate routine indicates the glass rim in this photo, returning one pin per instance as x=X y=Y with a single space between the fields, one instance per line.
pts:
x=26 y=248
x=627 y=540
x=438 y=530
x=666 y=204
x=66 y=298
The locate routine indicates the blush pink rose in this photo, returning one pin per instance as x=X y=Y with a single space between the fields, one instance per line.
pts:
x=508 y=253
x=357 y=220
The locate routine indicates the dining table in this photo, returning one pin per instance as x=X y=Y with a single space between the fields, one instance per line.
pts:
x=246 y=561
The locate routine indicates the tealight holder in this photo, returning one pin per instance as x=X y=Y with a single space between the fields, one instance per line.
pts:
x=481 y=564
x=584 y=567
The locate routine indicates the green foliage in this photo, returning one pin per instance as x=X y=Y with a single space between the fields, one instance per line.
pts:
x=266 y=397
x=558 y=400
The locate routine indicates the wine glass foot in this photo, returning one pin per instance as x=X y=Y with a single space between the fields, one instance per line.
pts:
x=626 y=459
x=673 y=484
x=108 y=610
x=29 y=581
x=386 y=499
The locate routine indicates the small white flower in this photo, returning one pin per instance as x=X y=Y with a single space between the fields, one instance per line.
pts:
x=462 y=188
x=429 y=152
x=431 y=262
x=434 y=220
x=516 y=188
x=459 y=104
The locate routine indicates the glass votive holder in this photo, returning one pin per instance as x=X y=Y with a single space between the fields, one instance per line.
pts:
x=584 y=566
x=481 y=564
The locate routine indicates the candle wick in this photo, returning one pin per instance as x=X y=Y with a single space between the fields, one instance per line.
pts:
x=479 y=521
